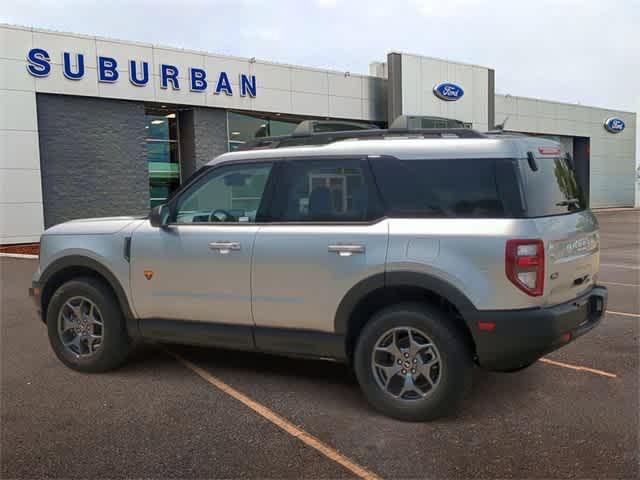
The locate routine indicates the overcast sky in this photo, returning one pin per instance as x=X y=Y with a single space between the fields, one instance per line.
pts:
x=580 y=51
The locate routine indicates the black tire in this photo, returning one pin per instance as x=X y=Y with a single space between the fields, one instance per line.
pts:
x=115 y=344
x=455 y=356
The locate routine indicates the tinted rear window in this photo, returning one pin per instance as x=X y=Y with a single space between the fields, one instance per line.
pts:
x=451 y=188
x=552 y=189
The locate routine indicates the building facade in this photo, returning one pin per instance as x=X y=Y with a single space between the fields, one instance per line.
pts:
x=98 y=127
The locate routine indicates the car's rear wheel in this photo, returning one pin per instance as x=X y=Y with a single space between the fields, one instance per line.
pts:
x=411 y=363
x=86 y=326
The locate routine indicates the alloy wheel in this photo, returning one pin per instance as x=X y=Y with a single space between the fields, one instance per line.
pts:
x=406 y=364
x=80 y=327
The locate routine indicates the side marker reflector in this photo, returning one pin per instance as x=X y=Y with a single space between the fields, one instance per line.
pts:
x=485 y=326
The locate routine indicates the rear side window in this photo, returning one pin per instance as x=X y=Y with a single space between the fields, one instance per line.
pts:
x=551 y=189
x=451 y=188
x=328 y=190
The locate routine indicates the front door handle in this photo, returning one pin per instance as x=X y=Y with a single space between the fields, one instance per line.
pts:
x=346 y=250
x=224 y=247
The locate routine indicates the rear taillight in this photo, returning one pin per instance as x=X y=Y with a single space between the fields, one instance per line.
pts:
x=524 y=264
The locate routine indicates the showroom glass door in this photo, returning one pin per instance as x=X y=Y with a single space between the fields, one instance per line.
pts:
x=161 y=128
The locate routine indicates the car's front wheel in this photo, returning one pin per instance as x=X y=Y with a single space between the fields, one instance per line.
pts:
x=411 y=364
x=86 y=326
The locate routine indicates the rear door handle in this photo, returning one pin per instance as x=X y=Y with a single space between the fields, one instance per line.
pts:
x=346 y=250
x=224 y=247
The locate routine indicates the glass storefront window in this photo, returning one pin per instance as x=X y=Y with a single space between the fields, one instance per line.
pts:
x=161 y=129
x=244 y=128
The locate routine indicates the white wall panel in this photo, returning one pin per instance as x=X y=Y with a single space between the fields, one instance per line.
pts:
x=125 y=90
x=345 y=86
x=272 y=100
x=272 y=76
x=310 y=81
x=345 y=107
x=228 y=101
x=56 y=82
x=56 y=44
x=15 y=42
x=19 y=149
x=310 y=104
x=421 y=74
x=18 y=110
x=232 y=67
x=14 y=76
x=20 y=186
x=20 y=223
x=124 y=52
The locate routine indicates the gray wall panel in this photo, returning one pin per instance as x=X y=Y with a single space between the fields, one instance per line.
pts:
x=210 y=134
x=93 y=158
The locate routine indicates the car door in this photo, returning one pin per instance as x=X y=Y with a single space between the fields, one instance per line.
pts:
x=326 y=236
x=198 y=267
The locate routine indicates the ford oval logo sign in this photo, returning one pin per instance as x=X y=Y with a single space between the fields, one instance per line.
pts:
x=614 y=124
x=449 y=92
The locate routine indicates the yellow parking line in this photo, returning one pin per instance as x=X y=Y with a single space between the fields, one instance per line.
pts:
x=624 y=314
x=280 y=422
x=579 y=368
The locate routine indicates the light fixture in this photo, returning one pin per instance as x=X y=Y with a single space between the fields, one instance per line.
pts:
x=163 y=106
x=156 y=122
x=171 y=115
x=235 y=133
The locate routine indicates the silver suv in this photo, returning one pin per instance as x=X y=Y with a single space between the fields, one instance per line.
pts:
x=411 y=255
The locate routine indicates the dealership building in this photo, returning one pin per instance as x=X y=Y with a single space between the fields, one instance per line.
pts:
x=95 y=127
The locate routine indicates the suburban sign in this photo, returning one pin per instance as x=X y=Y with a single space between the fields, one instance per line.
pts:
x=449 y=92
x=614 y=124
x=109 y=70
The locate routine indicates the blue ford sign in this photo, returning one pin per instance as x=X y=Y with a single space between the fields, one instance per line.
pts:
x=614 y=124
x=449 y=92
x=109 y=71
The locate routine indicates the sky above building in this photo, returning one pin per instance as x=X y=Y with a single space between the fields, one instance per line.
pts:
x=578 y=51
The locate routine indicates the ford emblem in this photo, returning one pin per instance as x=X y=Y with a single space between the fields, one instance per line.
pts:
x=614 y=124
x=449 y=92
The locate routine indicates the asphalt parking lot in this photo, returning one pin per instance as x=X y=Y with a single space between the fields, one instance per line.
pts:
x=574 y=418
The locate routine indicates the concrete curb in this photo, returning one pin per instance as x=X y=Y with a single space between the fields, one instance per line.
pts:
x=19 y=255
x=615 y=209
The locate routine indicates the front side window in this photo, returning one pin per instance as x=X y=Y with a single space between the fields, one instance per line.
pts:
x=324 y=191
x=447 y=188
x=232 y=193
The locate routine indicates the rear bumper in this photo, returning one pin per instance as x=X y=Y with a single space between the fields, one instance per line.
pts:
x=520 y=337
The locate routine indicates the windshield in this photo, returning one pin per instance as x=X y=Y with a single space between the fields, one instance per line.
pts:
x=552 y=189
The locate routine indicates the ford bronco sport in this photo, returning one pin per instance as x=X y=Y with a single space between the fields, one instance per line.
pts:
x=411 y=255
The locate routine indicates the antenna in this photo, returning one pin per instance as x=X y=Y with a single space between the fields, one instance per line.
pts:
x=501 y=125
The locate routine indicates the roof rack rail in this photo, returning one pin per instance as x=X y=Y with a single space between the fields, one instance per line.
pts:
x=301 y=137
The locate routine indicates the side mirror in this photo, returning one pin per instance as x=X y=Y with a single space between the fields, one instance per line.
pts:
x=159 y=216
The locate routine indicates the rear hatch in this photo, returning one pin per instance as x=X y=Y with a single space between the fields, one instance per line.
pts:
x=554 y=201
